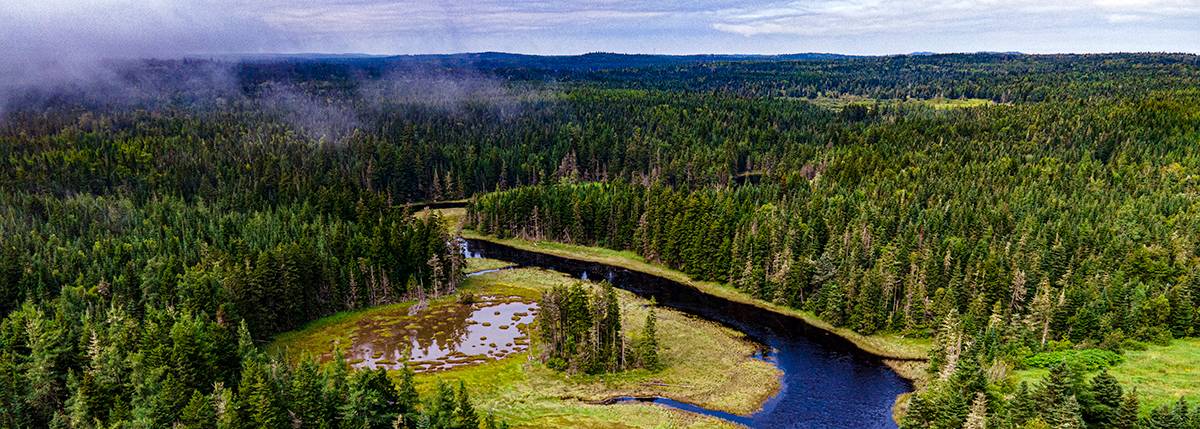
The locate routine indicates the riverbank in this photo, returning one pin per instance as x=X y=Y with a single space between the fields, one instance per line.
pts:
x=705 y=364
x=887 y=346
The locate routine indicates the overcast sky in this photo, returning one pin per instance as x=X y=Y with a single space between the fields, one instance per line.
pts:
x=163 y=28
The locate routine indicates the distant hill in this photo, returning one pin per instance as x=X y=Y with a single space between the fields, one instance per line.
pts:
x=488 y=60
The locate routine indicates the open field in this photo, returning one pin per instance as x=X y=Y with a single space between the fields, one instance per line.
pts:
x=705 y=364
x=884 y=345
x=1161 y=374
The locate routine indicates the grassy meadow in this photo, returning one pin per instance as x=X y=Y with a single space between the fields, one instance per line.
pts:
x=1162 y=374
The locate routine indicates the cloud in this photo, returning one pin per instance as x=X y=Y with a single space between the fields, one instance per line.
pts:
x=69 y=35
x=1124 y=18
x=858 y=17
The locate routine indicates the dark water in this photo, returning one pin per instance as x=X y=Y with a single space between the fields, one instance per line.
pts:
x=827 y=382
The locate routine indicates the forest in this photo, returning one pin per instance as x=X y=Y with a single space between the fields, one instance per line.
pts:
x=157 y=226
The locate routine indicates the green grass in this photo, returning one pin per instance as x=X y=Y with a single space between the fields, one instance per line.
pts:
x=892 y=346
x=704 y=364
x=452 y=218
x=1161 y=374
x=475 y=265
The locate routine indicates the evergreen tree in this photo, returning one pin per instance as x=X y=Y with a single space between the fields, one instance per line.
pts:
x=977 y=418
x=199 y=413
x=465 y=416
x=649 y=345
x=1104 y=402
x=1127 y=414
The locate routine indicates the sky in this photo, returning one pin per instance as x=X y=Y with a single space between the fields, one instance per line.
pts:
x=86 y=29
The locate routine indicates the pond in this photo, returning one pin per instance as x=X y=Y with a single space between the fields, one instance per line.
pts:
x=443 y=336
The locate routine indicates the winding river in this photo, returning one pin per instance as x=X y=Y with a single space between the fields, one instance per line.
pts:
x=827 y=381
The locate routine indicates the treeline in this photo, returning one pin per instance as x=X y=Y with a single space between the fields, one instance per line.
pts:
x=117 y=313
x=581 y=332
x=254 y=142
x=259 y=150
x=1000 y=77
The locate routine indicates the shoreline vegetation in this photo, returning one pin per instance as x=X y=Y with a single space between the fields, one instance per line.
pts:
x=526 y=393
x=890 y=347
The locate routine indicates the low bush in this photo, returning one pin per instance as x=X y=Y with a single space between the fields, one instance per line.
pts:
x=1085 y=359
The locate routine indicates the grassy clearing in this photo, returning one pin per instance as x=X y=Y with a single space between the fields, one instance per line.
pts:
x=890 y=346
x=452 y=218
x=705 y=364
x=1162 y=374
x=475 y=265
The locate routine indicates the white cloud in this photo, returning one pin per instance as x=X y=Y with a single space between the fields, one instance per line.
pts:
x=32 y=30
x=848 y=17
x=1125 y=18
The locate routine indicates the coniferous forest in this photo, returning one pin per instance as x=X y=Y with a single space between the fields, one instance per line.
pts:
x=1019 y=211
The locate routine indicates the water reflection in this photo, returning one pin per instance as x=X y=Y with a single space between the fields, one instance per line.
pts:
x=444 y=336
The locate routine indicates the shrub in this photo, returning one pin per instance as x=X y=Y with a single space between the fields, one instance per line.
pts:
x=1086 y=359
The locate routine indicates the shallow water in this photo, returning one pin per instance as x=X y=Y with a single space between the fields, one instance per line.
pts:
x=443 y=336
x=827 y=382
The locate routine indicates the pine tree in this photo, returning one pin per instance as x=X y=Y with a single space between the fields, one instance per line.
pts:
x=199 y=413
x=977 y=418
x=1127 y=415
x=406 y=392
x=1104 y=400
x=465 y=416
x=439 y=410
x=1065 y=415
x=649 y=349
x=1163 y=417
x=1022 y=407
x=371 y=401
x=1042 y=312
x=921 y=413
x=307 y=399
x=246 y=348
x=258 y=401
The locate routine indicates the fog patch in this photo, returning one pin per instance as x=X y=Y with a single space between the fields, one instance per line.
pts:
x=327 y=119
x=447 y=91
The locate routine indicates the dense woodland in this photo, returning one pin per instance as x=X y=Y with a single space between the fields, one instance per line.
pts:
x=148 y=214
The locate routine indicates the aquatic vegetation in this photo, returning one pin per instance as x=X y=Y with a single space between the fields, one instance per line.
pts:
x=441 y=336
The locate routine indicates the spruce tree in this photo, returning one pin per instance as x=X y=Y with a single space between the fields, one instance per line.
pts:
x=1022 y=407
x=465 y=416
x=977 y=417
x=1127 y=414
x=649 y=349
x=1104 y=400
x=199 y=413
x=307 y=399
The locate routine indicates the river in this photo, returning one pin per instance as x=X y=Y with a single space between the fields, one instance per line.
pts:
x=827 y=382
